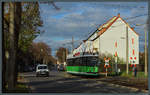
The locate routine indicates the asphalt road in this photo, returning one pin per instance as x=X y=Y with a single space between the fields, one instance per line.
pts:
x=61 y=82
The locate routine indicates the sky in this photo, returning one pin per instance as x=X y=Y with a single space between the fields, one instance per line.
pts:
x=80 y=19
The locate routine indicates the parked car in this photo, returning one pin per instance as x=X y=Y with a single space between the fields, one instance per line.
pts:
x=42 y=70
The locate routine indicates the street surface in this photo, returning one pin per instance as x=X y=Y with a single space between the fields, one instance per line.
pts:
x=61 y=82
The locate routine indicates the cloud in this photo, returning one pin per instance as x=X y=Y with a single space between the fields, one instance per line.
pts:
x=79 y=19
x=75 y=24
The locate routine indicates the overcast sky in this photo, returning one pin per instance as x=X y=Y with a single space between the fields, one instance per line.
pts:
x=79 y=19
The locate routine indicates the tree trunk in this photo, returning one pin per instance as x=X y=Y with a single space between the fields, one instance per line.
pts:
x=3 y=53
x=12 y=50
x=14 y=28
x=17 y=29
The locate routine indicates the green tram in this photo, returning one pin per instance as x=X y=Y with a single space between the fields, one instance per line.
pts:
x=87 y=64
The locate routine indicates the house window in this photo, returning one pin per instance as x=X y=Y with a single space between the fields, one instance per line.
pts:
x=115 y=53
x=133 y=51
x=135 y=58
x=132 y=40
x=116 y=44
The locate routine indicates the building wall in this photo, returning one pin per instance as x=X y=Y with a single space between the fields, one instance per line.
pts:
x=106 y=43
x=114 y=34
x=117 y=34
x=133 y=47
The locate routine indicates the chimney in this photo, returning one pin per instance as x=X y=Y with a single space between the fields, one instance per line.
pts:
x=118 y=14
x=84 y=41
x=132 y=28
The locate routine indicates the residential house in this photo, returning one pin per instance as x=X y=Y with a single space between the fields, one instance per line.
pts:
x=112 y=38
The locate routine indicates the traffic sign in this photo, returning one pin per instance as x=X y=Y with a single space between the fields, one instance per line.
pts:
x=106 y=63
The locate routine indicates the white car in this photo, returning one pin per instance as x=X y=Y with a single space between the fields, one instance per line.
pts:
x=42 y=69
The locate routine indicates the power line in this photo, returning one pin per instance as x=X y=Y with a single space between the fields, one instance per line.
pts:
x=129 y=18
x=89 y=33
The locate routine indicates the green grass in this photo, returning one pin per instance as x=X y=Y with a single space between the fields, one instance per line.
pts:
x=142 y=75
x=130 y=75
x=139 y=75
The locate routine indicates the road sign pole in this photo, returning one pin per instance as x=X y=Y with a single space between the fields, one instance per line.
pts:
x=106 y=64
x=106 y=71
x=116 y=65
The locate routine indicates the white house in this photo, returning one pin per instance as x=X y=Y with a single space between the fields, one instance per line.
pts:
x=111 y=38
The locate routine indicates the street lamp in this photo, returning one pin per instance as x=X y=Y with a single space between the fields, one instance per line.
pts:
x=146 y=58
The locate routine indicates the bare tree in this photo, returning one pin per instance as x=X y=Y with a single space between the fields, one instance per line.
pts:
x=62 y=54
x=42 y=52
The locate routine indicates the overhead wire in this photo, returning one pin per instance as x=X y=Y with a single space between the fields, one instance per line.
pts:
x=81 y=38
x=129 y=18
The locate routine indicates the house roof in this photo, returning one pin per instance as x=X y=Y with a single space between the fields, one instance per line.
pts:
x=109 y=23
x=103 y=28
x=106 y=25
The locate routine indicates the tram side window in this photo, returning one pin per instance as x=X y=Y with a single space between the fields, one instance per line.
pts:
x=94 y=61
x=69 y=62
x=84 y=61
x=77 y=61
x=90 y=61
x=87 y=61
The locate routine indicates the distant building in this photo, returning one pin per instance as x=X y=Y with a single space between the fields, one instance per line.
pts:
x=110 y=38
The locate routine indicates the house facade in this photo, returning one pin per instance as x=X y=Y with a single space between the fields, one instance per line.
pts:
x=113 y=38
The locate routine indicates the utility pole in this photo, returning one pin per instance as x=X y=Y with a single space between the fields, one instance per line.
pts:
x=72 y=44
x=66 y=52
x=146 y=59
x=146 y=54
x=64 y=56
x=127 y=67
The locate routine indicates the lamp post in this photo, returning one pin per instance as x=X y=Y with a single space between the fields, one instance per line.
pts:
x=146 y=58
